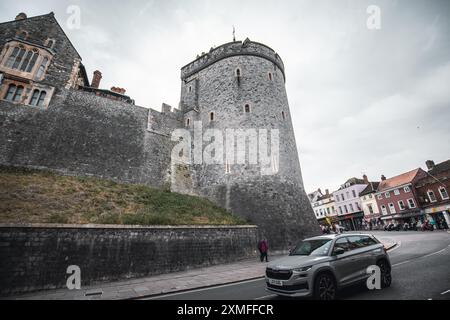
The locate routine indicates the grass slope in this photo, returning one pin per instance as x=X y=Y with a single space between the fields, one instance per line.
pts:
x=34 y=196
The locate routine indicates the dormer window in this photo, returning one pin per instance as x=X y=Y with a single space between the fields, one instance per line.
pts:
x=23 y=35
x=50 y=43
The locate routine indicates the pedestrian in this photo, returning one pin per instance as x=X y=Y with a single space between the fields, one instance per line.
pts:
x=263 y=248
x=337 y=228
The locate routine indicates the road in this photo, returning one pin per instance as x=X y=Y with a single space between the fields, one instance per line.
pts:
x=420 y=270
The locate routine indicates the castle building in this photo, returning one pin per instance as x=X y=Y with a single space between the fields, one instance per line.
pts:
x=52 y=117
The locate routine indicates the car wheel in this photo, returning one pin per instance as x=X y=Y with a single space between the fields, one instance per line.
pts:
x=324 y=287
x=385 y=270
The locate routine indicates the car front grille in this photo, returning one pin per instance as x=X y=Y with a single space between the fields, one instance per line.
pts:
x=302 y=286
x=278 y=274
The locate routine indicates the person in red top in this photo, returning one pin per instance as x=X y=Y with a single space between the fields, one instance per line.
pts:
x=263 y=247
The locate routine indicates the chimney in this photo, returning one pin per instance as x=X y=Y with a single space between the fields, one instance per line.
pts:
x=96 y=79
x=320 y=191
x=366 y=180
x=430 y=164
x=383 y=178
x=21 y=16
x=118 y=90
x=327 y=192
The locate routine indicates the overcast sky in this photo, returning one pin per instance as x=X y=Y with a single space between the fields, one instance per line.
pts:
x=362 y=101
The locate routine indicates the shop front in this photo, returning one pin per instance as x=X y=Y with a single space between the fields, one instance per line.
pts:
x=352 y=221
x=439 y=216
x=411 y=217
x=373 y=222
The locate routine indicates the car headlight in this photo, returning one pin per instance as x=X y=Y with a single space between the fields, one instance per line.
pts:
x=303 y=269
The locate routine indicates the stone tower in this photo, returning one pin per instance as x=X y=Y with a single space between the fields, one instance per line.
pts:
x=241 y=85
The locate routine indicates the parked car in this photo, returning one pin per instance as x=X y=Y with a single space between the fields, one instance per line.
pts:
x=320 y=266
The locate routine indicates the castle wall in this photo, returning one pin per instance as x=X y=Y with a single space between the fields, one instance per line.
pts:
x=106 y=253
x=82 y=134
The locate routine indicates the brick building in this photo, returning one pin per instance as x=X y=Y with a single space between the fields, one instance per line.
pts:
x=433 y=193
x=397 y=198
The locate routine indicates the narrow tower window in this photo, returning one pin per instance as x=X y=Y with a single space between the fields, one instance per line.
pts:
x=270 y=76
x=247 y=108
x=188 y=122
x=190 y=89
x=238 y=72
x=283 y=115
x=211 y=116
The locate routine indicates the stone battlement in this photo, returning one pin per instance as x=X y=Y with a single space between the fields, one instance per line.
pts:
x=237 y=48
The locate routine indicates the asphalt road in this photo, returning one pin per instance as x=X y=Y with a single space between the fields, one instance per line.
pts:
x=421 y=270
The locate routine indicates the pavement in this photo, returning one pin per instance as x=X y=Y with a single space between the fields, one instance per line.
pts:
x=201 y=278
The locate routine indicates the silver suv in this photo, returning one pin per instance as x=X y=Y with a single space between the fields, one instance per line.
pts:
x=321 y=265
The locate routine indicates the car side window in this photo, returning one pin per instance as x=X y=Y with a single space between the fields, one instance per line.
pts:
x=341 y=243
x=357 y=242
x=368 y=241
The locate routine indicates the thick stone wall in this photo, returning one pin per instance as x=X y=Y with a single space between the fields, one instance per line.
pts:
x=82 y=134
x=36 y=257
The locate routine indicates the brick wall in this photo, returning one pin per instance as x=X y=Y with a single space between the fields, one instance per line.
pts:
x=36 y=257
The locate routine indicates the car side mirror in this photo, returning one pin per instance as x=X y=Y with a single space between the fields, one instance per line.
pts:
x=338 y=251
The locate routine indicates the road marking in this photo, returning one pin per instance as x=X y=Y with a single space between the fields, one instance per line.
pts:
x=432 y=254
x=199 y=290
x=425 y=256
x=445 y=292
x=265 y=297
x=400 y=263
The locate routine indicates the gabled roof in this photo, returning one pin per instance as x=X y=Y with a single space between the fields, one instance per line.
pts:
x=50 y=15
x=325 y=196
x=402 y=179
x=372 y=187
x=352 y=181
x=314 y=195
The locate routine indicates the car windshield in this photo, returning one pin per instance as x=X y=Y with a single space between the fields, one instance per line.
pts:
x=318 y=247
